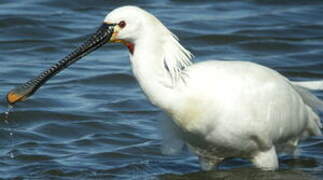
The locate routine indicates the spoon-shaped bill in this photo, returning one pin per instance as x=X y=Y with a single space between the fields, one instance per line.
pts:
x=99 y=38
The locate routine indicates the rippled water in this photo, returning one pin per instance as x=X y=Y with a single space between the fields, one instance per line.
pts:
x=93 y=122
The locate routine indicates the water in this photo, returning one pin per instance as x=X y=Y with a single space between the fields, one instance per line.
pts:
x=6 y=121
x=93 y=122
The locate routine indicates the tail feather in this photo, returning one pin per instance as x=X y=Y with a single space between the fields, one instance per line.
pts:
x=316 y=105
x=309 y=99
x=313 y=85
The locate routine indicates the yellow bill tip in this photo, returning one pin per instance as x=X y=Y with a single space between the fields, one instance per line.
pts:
x=12 y=97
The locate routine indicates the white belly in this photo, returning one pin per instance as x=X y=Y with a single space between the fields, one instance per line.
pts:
x=244 y=109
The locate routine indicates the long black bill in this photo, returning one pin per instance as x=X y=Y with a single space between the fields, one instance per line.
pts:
x=99 y=38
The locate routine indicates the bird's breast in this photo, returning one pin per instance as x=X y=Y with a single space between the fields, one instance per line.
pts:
x=189 y=115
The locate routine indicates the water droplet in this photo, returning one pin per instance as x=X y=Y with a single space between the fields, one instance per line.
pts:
x=11 y=155
x=11 y=140
x=10 y=107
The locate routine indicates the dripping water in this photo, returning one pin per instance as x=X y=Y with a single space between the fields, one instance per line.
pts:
x=11 y=134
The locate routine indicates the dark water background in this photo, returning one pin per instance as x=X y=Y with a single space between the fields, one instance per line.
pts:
x=93 y=122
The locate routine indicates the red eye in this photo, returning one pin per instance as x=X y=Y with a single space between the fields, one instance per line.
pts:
x=122 y=24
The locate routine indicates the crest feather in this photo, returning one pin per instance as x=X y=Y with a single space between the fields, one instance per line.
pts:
x=176 y=58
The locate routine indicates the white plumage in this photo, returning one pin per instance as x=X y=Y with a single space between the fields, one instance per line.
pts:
x=219 y=109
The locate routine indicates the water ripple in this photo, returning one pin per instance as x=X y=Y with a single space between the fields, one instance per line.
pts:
x=93 y=122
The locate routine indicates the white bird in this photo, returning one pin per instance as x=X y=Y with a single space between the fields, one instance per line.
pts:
x=219 y=109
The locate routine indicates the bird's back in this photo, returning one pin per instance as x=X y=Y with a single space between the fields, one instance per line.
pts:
x=236 y=102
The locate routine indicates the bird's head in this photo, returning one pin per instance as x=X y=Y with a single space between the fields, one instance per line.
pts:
x=131 y=24
x=127 y=24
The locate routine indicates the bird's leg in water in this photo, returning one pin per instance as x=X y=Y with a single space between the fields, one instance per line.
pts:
x=207 y=163
x=266 y=160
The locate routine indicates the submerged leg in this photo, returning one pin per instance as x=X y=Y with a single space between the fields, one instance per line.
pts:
x=207 y=164
x=172 y=142
x=266 y=160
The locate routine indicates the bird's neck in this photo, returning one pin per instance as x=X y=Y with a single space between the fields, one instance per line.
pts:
x=158 y=66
